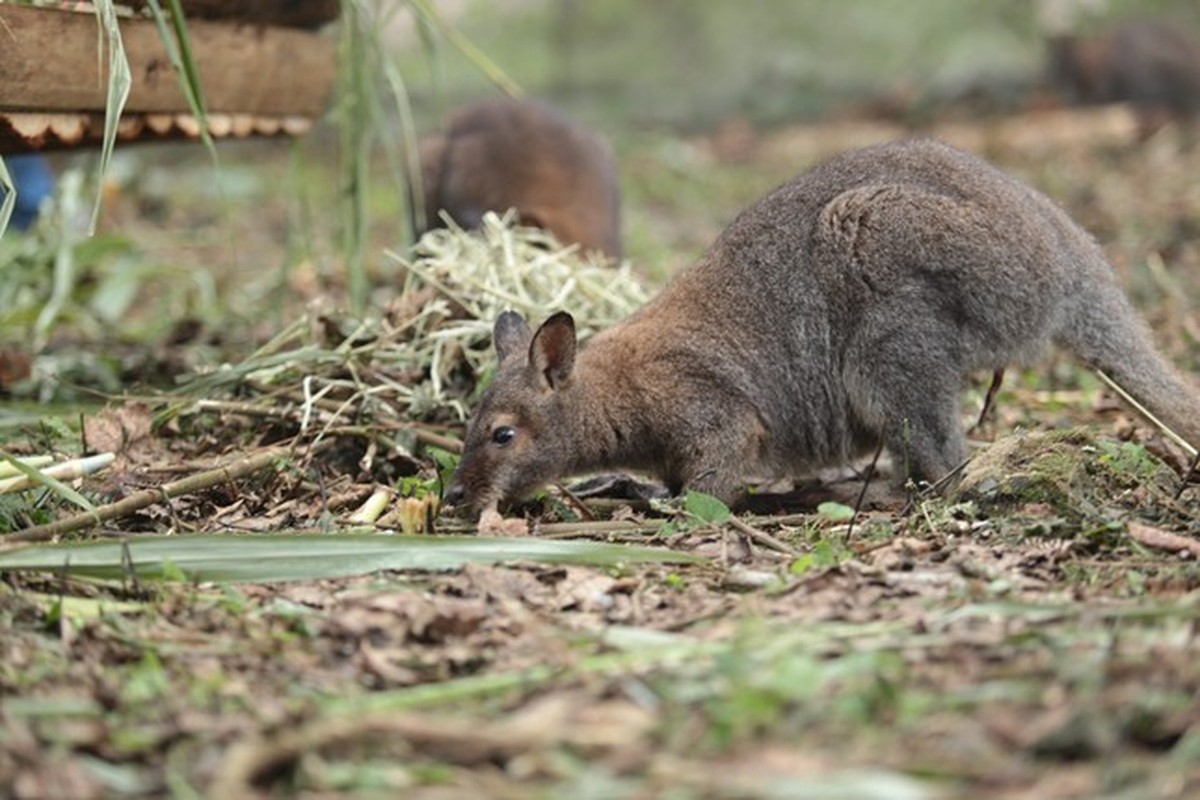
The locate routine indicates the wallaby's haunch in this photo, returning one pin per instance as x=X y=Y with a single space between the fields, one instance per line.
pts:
x=842 y=310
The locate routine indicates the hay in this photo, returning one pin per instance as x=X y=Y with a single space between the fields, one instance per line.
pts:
x=465 y=279
x=422 y=357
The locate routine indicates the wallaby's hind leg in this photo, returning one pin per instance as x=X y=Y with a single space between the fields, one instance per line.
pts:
x=925 y=440
x=911 y=400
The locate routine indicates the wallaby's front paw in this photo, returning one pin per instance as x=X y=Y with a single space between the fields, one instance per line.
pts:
x=491 y=523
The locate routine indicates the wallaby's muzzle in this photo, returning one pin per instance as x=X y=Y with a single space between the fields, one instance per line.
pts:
x=455 y=495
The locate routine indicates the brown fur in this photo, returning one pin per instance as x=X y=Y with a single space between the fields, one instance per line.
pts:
x=843 y=310
x=504 y=153
x=1143 y=62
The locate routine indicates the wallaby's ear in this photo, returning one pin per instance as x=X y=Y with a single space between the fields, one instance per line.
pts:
x=552 y=351
x=511 y=335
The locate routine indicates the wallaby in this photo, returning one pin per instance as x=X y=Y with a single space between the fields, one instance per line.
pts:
x=504 y=153
x=841 y=311
x=1146 y=63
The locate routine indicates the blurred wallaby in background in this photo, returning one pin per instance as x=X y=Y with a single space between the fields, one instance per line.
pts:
x=843 y=310
x=505 y=153
x=1150 y=64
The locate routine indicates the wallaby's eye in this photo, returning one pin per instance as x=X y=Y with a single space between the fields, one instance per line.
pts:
x=504 y=434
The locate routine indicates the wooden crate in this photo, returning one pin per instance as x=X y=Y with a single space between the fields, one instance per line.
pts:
x=264 y=72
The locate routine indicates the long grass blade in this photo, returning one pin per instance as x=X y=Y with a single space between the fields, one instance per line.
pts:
x=65 y=471
x=354 y=133
x=454 y=36
x=63 y=280
x=37 y=477
x=33 y=462
x=411 y=156
x=10 y=197
x=120 y=79
x=311 y=556
x=173 y=31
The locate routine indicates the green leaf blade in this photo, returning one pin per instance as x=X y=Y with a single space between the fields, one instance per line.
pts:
x=311 y=556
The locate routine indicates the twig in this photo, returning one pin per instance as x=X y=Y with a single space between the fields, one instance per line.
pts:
x=602 y=526
x=169 y=491
x=421 y=434
x=610 y=504
x=245 y=409
x=782 y=519
x=762 y=537
x=862 y=493
x=575 y=503
x=936 y=486
x=997 y=379
x=1141 y=409
x=437 y=440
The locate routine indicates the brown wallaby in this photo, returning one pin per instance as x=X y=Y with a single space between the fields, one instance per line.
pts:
x=505 y=153
x=1146 y=63
x=843 y=310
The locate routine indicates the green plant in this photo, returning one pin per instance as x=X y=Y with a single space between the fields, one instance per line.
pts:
x=825 y=553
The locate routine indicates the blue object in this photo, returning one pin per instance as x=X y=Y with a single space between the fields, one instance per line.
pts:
x=34 y=181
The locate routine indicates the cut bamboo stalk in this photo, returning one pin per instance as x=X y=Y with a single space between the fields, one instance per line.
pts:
x=371 y=510
x=66 y=471
x=7 y=470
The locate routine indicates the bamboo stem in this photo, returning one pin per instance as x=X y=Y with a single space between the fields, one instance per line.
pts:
x=144 y=499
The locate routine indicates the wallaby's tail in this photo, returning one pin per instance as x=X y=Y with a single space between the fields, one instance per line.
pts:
x=1107 y=333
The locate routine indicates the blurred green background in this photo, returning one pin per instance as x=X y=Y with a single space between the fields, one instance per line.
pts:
x=708 y=106
x=691 y=64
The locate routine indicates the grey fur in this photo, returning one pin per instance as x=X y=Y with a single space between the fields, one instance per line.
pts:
x=845 y=307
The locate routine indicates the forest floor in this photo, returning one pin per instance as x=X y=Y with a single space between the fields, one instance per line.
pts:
x=1032 y=635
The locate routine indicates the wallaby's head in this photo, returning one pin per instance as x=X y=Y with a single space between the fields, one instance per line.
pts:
x=519 y=438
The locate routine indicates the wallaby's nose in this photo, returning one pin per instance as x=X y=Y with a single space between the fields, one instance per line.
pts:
x=455 y=494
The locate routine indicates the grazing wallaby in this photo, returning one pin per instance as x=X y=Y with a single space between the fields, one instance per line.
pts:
x=504 y=153
x=1146 y=63
x=843 y=310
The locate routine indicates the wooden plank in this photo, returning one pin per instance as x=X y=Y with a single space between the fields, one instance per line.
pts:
x=21 y=132
x=50 y=63
x=288 y=13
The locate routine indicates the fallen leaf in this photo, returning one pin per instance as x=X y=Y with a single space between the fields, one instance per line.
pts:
x=116 y=429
